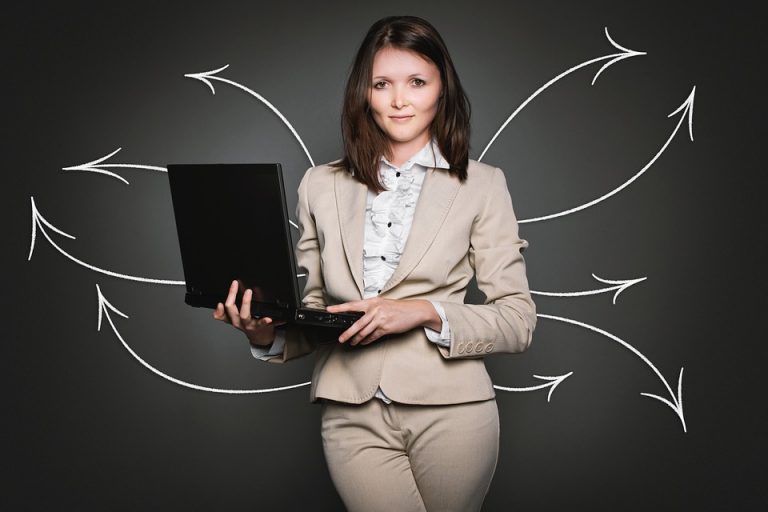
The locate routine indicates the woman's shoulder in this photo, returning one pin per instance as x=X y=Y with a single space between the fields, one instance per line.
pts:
x=480 y=167
x=326 y=169
x=480 y=173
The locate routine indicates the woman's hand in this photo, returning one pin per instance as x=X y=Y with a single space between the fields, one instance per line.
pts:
x=259 y=331
x=385 y=316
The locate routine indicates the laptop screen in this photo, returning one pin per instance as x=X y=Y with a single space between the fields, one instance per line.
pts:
x=232 y=224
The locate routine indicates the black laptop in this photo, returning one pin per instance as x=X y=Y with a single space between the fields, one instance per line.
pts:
x=232 y=222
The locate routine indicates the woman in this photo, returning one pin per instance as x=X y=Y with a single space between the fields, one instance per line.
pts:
x=396 y=229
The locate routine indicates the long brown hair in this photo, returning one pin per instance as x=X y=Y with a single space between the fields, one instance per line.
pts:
x=364 y=141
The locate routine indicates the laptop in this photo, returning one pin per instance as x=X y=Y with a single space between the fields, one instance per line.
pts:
x=232 y=223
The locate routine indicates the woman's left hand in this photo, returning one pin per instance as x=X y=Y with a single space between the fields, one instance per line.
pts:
x=384 y=316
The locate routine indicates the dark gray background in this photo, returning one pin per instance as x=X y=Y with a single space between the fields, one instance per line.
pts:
x=87 y=426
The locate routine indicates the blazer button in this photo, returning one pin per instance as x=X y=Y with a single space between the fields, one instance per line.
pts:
x=479 y=347
x=460 y=349
x=488 y=348
x=470 y=345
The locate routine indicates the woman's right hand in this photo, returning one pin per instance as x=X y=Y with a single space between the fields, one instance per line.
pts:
x=259 y=331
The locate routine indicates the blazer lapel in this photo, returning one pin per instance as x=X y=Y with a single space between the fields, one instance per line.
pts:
x=350 y=206
x=438 y=191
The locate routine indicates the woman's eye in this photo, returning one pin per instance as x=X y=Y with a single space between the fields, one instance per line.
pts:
x=419 y=82
x=377 y=84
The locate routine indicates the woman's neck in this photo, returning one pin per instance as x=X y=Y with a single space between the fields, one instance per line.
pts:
x=401 y=152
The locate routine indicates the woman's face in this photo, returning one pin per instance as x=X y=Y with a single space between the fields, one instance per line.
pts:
x=403 y=95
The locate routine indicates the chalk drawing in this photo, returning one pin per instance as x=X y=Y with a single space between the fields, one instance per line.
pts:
x=621 y=285
x=614 y=57
x=105 y=306
x=552 y=384
x=98 y=167
x=38 y=221
x=677 y=401
x=687 y=113
x=206 y=75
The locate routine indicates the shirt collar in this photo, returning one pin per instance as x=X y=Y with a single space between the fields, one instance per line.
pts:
x=424 y=158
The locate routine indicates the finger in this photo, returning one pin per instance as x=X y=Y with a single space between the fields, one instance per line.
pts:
x=271 y=321
x=232 y=294
x=219 y=314
x=245 y=308
x=375 y=335
x=233 y=314
x=355 y=328
x=364 y=333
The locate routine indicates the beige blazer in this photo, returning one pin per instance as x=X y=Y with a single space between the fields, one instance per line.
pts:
x=459 y=229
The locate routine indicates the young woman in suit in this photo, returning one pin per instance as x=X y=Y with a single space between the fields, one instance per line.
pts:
x=397 y=229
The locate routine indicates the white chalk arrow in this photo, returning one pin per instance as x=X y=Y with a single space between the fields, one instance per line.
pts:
x=687 y=114
x=612 y=58
x=552 y=384
x=676 y=402
x=38 y=221
x=620 y=286
x=101 y=168
x=105 y=306
x=206 y=78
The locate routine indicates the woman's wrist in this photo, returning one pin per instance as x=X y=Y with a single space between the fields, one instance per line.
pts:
x=430 y=317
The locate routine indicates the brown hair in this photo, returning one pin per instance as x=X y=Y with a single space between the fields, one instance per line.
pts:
x=364 y=141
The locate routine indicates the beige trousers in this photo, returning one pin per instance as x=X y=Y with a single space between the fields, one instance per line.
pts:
x=411 y=457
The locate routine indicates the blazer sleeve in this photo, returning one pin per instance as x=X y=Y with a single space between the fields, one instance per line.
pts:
x=300 y=341
x=505 y=323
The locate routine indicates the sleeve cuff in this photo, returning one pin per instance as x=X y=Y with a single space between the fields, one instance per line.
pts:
x=276 y=349
x=443 y=337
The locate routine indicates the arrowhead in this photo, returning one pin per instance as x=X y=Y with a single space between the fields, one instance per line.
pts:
x=37 y=221
x=93 y=167
x=203 y=77
x=626 y=283
x=103 y=305
x=626 y=53
x=677 y=401
x=555 y=382
x=687 y=108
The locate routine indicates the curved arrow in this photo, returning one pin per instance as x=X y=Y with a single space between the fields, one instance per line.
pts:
x=206 y=76
x=552 y=384
x=105 y=306
x=39 y=221
x=677 y=401
x=99 y=168
x=687 y=113
x=621 y=285
x=614 y=57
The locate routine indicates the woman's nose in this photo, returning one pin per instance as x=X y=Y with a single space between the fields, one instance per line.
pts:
x=398 y=98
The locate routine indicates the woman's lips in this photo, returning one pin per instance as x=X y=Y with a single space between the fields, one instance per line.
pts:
x=400 y=119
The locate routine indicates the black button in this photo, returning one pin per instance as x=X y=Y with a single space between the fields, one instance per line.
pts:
x=383 y=258
x=398 y=174
x=389 y=224
x=379 y=291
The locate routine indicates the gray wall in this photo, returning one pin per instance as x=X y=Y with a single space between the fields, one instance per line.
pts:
x=91 y=427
